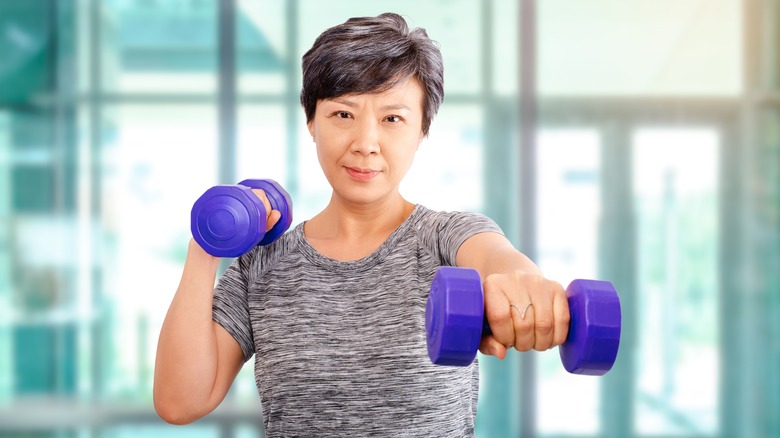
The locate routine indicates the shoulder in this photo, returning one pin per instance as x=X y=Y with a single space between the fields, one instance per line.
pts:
x=261 y=259
x=441 y=233
x=433 y=221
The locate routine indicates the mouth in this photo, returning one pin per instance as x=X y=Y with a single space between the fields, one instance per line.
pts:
x=361 y=174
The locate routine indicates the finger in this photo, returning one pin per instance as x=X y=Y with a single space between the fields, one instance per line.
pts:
x=544 y=323
x=498 y=312
x=261 y=194
x=523 y=323
x=562 y=317
x=273 y=218
x=491 y=347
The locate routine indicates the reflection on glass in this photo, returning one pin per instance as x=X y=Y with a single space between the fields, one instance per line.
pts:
x=676 y=201
x=162 y=47
x=261 y=47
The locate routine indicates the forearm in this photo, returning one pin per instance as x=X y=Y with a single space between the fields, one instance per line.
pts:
x=187 y=353
x=507 y=259
x=492 y=253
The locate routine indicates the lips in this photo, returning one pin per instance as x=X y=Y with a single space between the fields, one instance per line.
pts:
x=361 y=174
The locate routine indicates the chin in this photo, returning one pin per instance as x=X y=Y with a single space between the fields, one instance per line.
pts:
x=362 y=195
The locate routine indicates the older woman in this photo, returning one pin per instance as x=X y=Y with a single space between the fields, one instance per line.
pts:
x=333 y=311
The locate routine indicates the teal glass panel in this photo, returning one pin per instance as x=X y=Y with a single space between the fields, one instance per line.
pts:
x=27 y=47
x=158 y=46
x=263 y=47
x=45 y=359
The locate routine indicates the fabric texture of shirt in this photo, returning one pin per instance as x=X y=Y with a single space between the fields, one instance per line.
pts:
x=340 y=347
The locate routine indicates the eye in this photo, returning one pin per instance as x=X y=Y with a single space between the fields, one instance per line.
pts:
x=394 y=119
x=342 y=114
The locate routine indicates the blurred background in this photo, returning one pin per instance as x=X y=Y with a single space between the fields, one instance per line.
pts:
x=635 y=141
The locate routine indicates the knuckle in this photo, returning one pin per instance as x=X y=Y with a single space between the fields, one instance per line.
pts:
x=498 y=317
x=565 y=319
x=492 y=283
x=523 y=325
x=544 y=326
x=526 y=344
x=542 y=346
x=559 y=339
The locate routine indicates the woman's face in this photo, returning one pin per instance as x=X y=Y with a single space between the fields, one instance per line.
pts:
x=366 y=142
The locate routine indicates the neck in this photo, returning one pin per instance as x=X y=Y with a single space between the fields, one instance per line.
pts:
x=347 y=221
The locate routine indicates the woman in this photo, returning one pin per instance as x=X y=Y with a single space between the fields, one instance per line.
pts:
x=334 y=310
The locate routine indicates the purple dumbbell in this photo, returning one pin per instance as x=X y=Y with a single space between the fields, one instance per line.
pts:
x=229 y=220
x=455 y=322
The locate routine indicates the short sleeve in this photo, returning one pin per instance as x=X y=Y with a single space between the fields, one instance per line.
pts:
x=456 y=228
x=230 y=307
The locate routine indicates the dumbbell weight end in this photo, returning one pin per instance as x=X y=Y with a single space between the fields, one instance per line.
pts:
x=229 y=220
x=592 y=344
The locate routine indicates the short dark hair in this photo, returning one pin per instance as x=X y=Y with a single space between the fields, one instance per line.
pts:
x=371 y=55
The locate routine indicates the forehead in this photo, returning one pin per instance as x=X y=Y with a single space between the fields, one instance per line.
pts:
x=407 y=93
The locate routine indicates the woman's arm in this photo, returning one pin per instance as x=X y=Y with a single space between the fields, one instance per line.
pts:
x=510 y=282
x=197 y=359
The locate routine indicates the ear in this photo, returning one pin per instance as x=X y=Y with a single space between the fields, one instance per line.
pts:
x=310 y=125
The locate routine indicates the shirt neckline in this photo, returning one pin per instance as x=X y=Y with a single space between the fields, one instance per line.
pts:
x=367 y=262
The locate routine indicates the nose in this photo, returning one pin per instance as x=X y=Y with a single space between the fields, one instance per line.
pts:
x=366 y=140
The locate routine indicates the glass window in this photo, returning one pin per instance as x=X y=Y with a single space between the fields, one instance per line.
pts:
x=262 y=50
x=569 y=208
x=676 y=201
x=505 y=33
x=140 y=431
x=262 y=143
x=159 y=46
x=160 y=160
x=619 y=48
x=446 y=174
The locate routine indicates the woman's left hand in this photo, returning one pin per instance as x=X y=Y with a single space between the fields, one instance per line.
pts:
x=525 y=311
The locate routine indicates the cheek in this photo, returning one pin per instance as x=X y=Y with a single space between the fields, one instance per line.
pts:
x=329 y=155
x=404 y=158
x=324 y=154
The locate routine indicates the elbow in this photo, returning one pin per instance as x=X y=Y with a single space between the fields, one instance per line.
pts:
x=176 y=412
x=172 y=415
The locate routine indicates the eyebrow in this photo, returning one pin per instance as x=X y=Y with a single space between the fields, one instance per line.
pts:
x=351 y=104
x=344 y=101
x=396 y=106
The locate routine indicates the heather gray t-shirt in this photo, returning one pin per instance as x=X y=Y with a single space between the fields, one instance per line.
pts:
x=340 y=347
